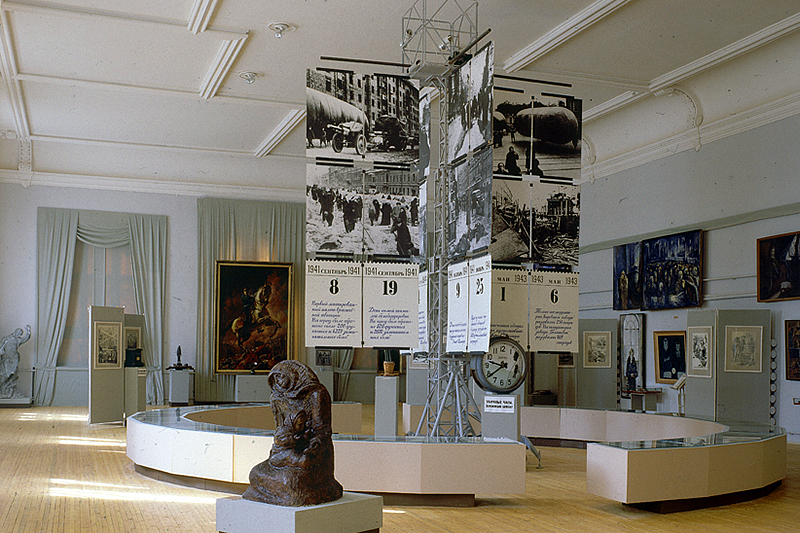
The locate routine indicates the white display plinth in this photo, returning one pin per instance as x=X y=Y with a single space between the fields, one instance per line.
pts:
x=179 y=385
x=136 y=390
x=387 y=398
x=352 y=513
x=251 y=388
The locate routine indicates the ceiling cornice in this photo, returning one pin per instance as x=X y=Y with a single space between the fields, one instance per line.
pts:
x=562 y=33
x=227 y=55
x=160 y=187
x=201 y=14
x=8 y=67
x=286 y=125
x=726 y=53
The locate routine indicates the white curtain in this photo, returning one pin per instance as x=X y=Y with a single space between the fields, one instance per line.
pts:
x=58 y=230
x=237 y=230
x=55 y=250
x=342 y=362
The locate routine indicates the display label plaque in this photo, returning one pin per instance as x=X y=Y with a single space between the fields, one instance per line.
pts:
x=510 y=304
x=480 y=303
x=333 y=303
x=457 y=307
x=391 y=306
x=554 y=312
x=422 y=346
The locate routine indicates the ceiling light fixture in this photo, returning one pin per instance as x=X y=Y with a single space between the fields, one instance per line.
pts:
x=249 y=76
x=280 y=27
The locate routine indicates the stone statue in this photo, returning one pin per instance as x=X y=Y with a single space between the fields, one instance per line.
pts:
x=9 y=362
x=299 y=470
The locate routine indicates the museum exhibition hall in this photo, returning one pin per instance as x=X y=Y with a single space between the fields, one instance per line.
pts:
x=420 y=266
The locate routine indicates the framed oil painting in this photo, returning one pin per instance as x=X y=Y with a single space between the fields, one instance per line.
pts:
x=672 y=269
x=597 y=349
x=670 y=355
x=107 y=345
x=793 y=350
x=133 y=338
x=632 y=368
x=566 y=360
x=743 y=349
x=778 y=267
x=253 y=328
x=701 y=352
x=627 y=276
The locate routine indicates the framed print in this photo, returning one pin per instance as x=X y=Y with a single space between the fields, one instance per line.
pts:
x=631 y=368
x=597 y=349
x=107 y=345
x=793 y=350
x=670 y=355
x=133 y=338
x=701 y=352
x=778 y=261
x=566 y=360
x=253 y=316
x=672 y=267
x=743 y=349
x=627 y=276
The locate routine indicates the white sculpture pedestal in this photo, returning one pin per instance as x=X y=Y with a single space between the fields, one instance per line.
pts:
x=352 y=513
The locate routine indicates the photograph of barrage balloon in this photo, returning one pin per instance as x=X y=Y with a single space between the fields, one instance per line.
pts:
x=334 y=209
x=537 y=134
x=373 y=117
x=391 y=213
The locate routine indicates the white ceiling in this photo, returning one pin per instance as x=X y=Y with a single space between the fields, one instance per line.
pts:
x=119 y=94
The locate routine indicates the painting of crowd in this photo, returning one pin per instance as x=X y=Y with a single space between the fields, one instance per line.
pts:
x=536 y=134
x=369 y=116
x=342 y=218
x=469 y=213
x=469 y=104
x=535 y=222
x=672 y=270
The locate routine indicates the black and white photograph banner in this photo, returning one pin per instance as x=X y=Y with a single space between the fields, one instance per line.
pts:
x=511 y=221
x=392 y=212
x=334 y=209
x=510 y=304
x=333 y=303
x=371 y=117
x=481 y=84
x=391 y=307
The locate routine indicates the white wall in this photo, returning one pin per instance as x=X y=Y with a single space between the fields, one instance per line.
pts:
x=737 y=189
x=18 y=208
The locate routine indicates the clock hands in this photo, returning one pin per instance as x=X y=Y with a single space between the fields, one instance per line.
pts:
x=500 y=366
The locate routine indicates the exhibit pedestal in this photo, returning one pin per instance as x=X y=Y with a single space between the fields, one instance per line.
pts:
x=135 y=390
x=352 y=513
x=179 y=385
x=251 y=388
x=387 y=398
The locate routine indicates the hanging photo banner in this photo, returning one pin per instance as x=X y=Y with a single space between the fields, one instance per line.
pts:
x=423 y=345
x=510 y=304
x=553 y=312
x=457 y=307
x=480 y=303
x=391 y=305
x=333 y=303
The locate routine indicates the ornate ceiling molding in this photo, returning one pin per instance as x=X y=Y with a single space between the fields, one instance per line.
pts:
x=280 y=132
x=201 y=14
x=562 y=33
x=227 y=55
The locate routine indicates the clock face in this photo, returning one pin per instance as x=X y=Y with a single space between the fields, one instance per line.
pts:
x=502 y=368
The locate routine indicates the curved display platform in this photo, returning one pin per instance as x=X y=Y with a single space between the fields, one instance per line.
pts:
x=169 y=441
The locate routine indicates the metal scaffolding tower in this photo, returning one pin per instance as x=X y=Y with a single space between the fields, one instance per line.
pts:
x=432 y=45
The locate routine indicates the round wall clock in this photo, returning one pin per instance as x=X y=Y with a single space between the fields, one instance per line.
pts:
x=501 y=369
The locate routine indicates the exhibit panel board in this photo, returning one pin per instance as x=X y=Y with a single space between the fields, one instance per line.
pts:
x=742 y=364
x=106 y=356
x=701 y=390
x=596 y=364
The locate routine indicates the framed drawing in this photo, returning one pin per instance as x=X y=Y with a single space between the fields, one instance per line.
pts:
x=701 y=352
x=253 y=305
x=778 y=267
x=566 y=360
x=672 y=269
x=133 y=338
x=631 y=368
x=597 y=349
x=627 y=276
x=670 y=355
x=793 y=350
x=107 y=345
x=743 y=349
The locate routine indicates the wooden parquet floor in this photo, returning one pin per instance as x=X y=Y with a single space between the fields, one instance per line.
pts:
x=61 y=475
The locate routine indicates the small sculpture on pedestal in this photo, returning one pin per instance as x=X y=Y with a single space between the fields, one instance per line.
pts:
x=9 y=362
x=299 y=470
x=179 y=365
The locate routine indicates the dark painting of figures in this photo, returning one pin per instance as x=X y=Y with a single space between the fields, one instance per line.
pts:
x=673 y=269
x=779 y=267
x=627 y=276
